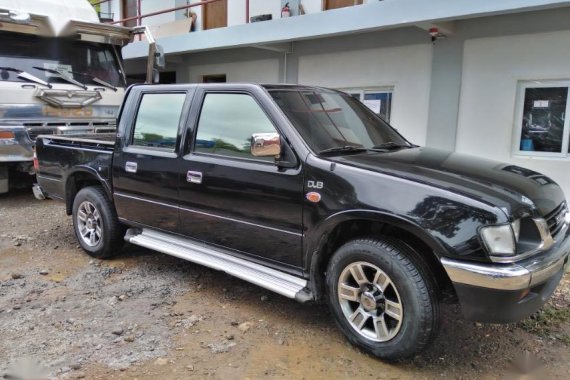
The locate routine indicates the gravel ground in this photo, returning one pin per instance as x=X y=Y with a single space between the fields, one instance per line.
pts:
x=146 y=315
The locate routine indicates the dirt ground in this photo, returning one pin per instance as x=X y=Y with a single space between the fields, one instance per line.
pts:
x=146 y=315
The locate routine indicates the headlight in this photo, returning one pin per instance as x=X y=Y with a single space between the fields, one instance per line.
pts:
x=500 y=240
x=511 y=242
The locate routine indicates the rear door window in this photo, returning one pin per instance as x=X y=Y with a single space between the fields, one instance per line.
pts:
x=157 y=120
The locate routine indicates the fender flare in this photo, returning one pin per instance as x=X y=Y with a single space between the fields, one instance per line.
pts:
x=91 y=172
x=321 y=232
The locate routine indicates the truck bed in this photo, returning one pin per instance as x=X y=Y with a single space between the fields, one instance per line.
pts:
x=65 y=158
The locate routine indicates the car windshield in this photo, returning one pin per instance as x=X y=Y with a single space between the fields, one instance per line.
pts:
x=333 y=121
x=79 y=60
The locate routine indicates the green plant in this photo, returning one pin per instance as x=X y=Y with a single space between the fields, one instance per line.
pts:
x=546 y=322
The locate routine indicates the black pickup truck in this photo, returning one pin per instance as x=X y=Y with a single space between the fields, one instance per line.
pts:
x=306 y=192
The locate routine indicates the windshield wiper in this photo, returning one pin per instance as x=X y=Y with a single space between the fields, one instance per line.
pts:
x=96 y=80
x=391 y=145
x=343 y=149
x=62 y=76
x=103 y=83
x=24 y=75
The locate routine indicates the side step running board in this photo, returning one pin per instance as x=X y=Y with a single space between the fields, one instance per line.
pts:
x=268 y=278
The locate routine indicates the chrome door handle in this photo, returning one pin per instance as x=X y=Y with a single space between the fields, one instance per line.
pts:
x=131 y=167
x=194 y=177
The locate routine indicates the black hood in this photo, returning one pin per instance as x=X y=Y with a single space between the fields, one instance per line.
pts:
x=507 y=186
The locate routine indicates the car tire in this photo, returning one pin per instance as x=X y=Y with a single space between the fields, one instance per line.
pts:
x=383 y=297
x=96 y=224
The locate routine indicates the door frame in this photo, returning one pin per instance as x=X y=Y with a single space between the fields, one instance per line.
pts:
x=205 y=14
x=123 y=196
x=325 y=3
x=281 y=124
x=124 y=15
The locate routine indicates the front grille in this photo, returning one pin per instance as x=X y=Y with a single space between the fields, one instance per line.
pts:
x=35 y=132
x=555 y=219
x=69 y=128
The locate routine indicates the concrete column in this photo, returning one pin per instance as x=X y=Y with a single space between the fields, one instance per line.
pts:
x=445 y=90
x=292 y=74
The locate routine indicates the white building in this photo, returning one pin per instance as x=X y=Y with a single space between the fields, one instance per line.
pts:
x=494 y=83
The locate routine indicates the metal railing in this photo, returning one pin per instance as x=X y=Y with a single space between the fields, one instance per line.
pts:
x=140 y=16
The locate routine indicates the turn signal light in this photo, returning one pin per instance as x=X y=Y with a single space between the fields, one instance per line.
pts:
x=313 y=197
x=524 y=294
x=7 y=135
x=36 y=162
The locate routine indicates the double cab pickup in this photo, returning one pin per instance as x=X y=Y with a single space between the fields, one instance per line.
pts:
x=306 y=192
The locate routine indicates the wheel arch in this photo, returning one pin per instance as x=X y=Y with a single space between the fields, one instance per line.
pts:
x=342 y=227
x=81 y=177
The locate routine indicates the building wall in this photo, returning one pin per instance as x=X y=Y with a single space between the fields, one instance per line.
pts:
x=114 y=6
x=148 y=6
x=406 y=68
x=260 y=71
x=448 y=57
x=273 y=7
x=491 y=69
x=236 y=12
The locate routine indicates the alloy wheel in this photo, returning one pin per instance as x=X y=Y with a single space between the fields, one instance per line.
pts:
x=89 y=223
x=370 y=301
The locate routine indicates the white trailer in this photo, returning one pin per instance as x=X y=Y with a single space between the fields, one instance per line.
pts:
x=61 y=72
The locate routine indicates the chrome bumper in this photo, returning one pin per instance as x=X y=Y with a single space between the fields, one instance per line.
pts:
x=17 y=149
x=521 y=275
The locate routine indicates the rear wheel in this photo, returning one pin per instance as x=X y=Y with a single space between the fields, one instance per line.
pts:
x=383 y=297
x=96 y=224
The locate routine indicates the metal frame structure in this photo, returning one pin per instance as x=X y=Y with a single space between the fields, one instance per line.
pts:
x=140 y=16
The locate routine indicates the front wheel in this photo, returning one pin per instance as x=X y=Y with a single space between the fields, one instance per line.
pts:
x=96 y=225
x=383 y=297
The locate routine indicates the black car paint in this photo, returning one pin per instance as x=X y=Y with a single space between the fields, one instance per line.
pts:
x=62 y=164
x=233 y=189
x=441 y=198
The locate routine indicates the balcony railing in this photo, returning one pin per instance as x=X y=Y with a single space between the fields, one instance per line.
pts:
x=139 y=16
x=183 y=26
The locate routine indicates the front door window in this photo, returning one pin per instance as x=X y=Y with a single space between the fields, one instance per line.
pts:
x=226 y=124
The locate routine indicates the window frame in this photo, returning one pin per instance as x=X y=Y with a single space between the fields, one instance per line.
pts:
x=361 y=91
x=190 y=148
x=326 y=6
x=522 y=86
x=131 y=147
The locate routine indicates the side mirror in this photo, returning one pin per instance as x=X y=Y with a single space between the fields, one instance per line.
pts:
x=155 y=76
x=265 y=144
x=159 y=57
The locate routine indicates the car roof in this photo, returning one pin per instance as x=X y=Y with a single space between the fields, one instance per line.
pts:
x=221 y=86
